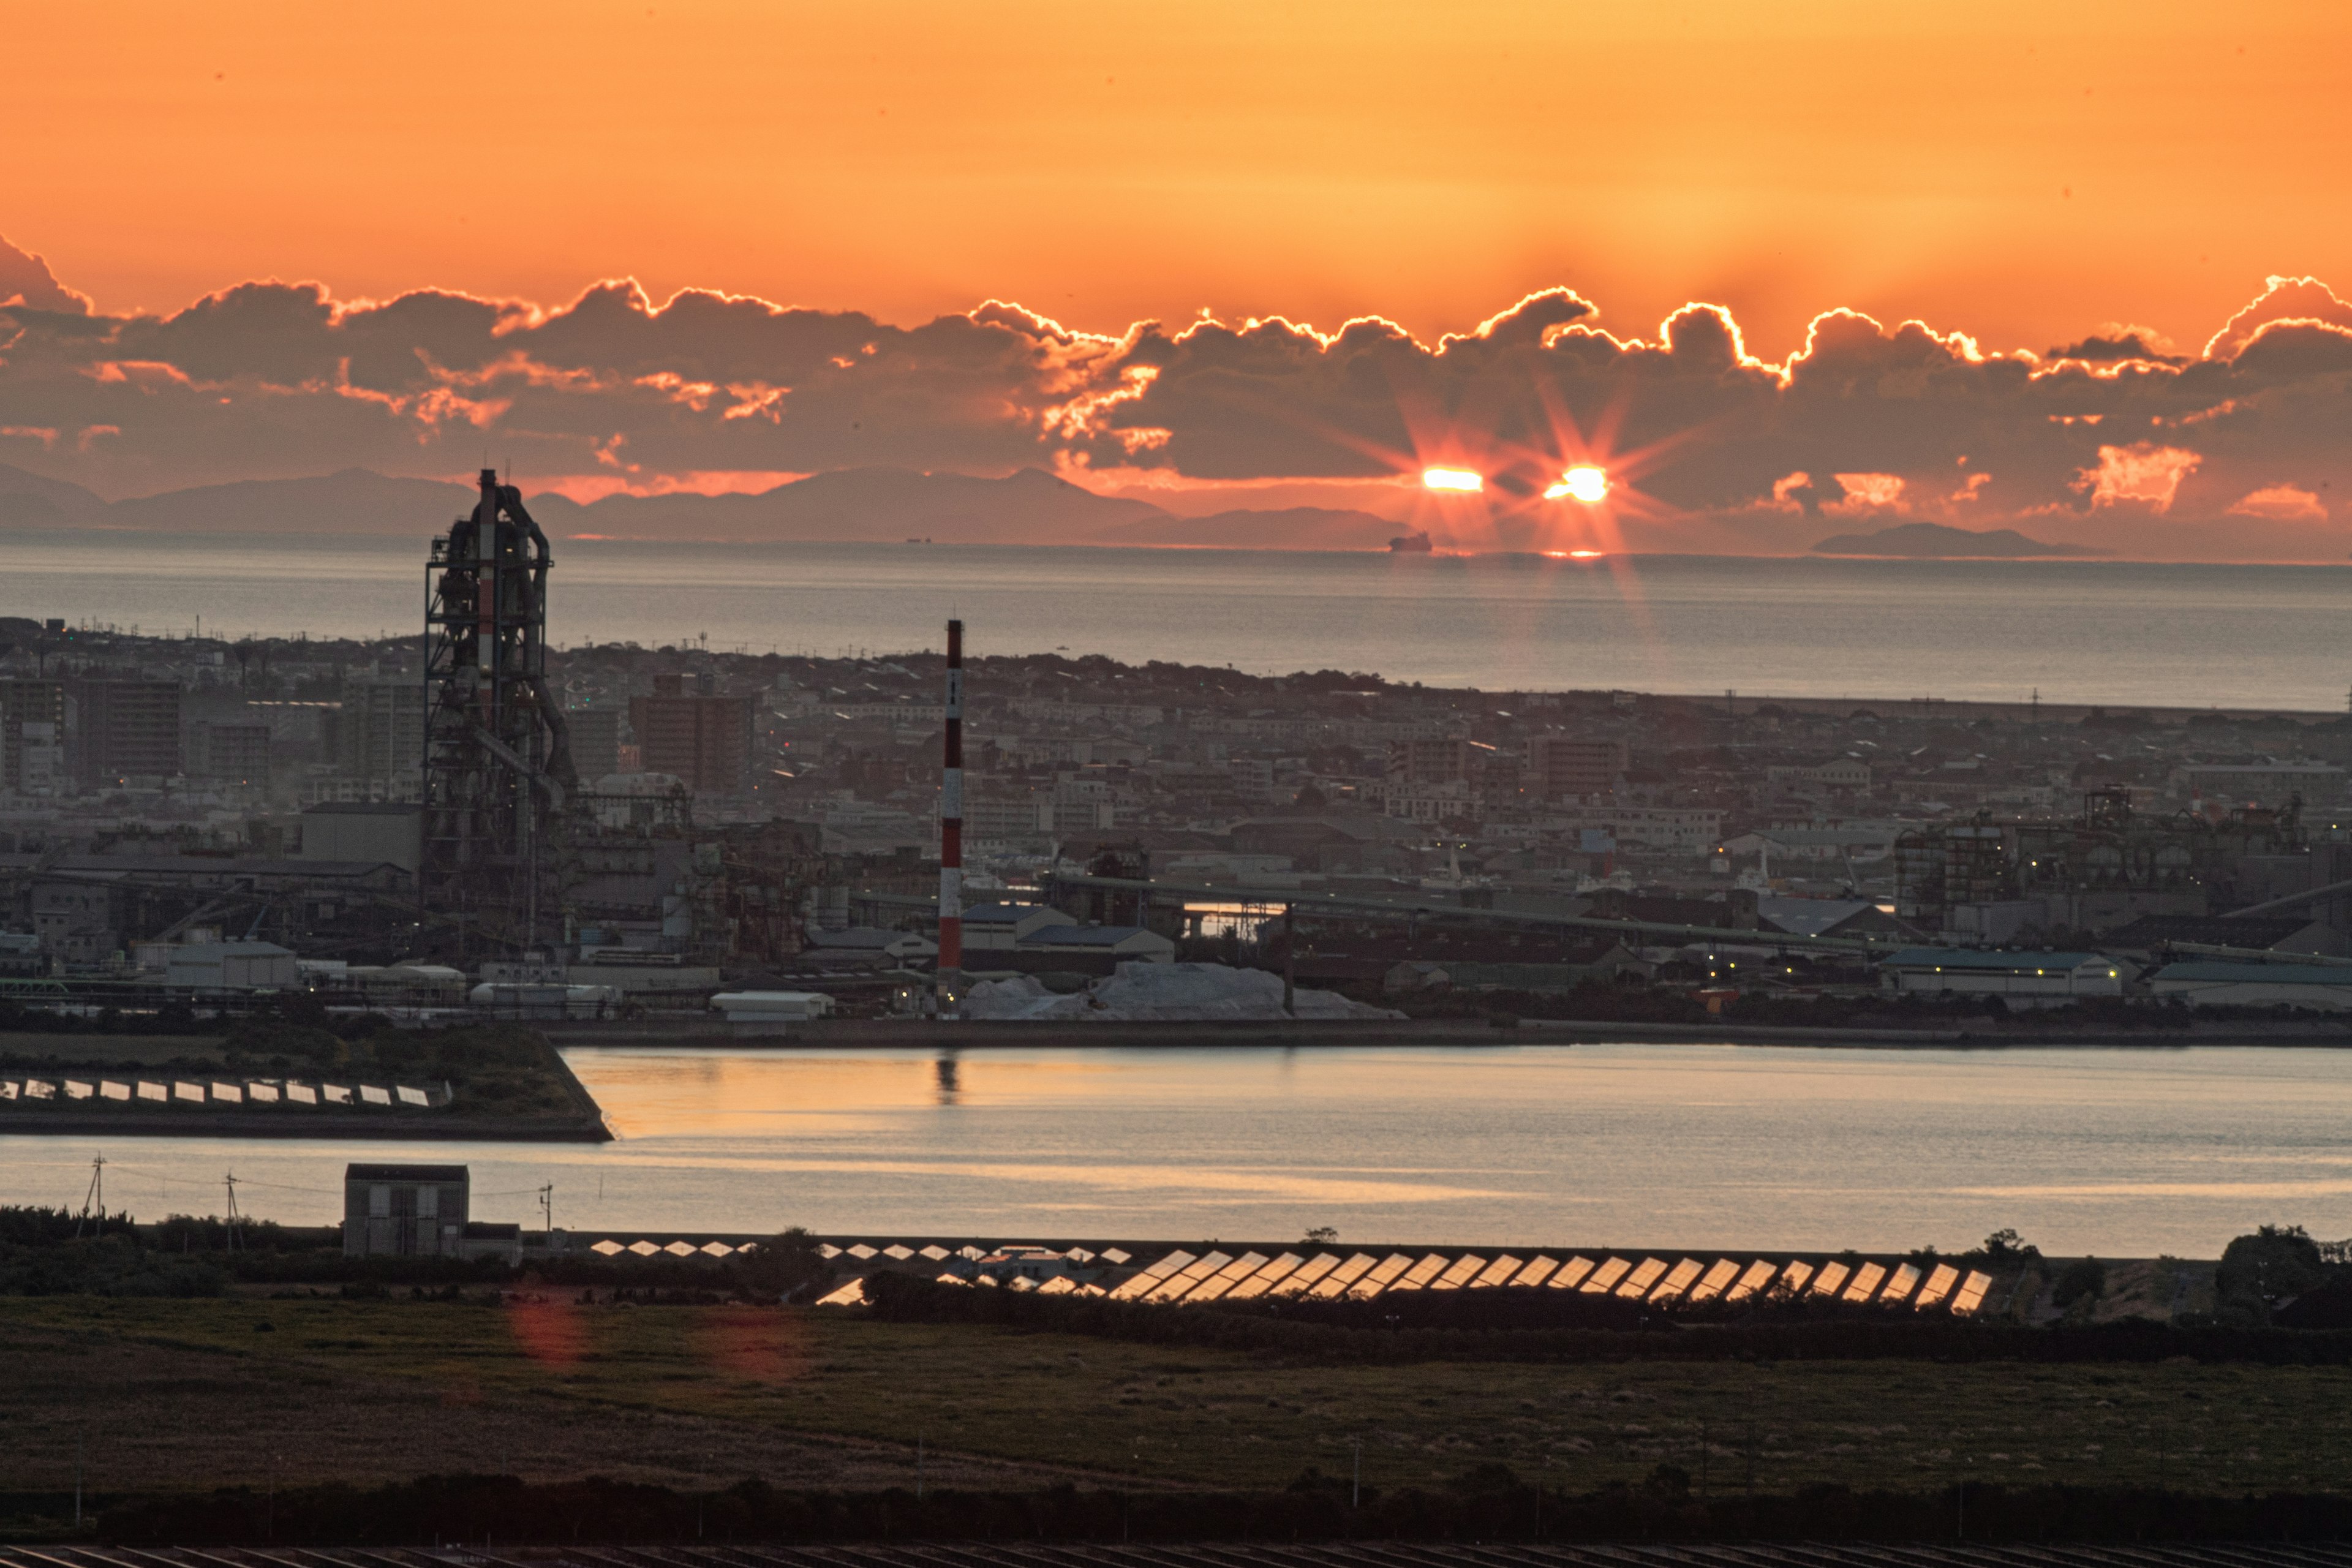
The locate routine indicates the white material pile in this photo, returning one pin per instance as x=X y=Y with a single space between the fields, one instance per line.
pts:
x=1170 y=992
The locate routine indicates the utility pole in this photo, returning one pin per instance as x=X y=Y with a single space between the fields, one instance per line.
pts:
x=547 y=1207
x=232 y=1212
x=1290 y=960
x=96 y=1196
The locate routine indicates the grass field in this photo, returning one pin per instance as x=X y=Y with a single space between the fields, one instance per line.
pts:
x=33 y=1050
x=171 y=1394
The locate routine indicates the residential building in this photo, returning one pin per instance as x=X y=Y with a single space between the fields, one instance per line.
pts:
x=41 y=706
x=124 y=729
x=701 y=740
x=596 y=736
x=2259 y=783
x=235 y=754
x=380 y=736
x=1838 y=774
x=1572 y=767
x=1435 y=760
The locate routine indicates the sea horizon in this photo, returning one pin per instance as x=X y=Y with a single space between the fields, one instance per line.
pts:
x=2066 y=631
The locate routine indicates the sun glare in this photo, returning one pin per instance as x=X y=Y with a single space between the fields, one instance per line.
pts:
x=1459 y=479
x=1584 y=483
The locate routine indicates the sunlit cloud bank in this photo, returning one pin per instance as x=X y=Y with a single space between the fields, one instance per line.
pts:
x=2120 y=440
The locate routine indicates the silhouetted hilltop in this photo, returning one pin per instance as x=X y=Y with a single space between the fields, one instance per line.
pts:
x=29 y=500
x=1928 y=540
x=880 y=505
x=870 y=505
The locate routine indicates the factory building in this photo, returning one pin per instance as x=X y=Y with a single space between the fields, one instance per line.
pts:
x=2022 y=979
x=231 y=966
x=404 y=1211
x=386 y=833
x=419 y=1211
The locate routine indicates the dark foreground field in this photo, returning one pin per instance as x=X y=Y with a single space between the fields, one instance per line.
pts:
x=157 y=1396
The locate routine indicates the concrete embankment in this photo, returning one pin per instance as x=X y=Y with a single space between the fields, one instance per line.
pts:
x=582 y=1121
x=1289 y=1034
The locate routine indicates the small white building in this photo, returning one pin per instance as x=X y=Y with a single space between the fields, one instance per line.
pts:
x=873 y=943
x=2029 y=979
x=1120 y=941
x=232 y=966
x=991 y=927
x=546 y=999
x=2212 y=983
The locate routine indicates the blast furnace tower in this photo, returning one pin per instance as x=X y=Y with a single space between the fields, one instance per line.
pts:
x=498 y=770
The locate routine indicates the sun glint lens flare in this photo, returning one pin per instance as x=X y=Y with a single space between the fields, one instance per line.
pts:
x=1584 y=483
x=1461 y=480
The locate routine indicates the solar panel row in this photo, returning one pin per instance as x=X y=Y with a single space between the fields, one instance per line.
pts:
x=1362 y=1277
x=1180 y=1277
x=611 y=1249
x=249 y=1091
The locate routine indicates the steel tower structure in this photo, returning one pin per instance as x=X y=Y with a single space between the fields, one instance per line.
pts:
x=497 y=767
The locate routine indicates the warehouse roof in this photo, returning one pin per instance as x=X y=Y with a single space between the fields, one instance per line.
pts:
x=1976 y=960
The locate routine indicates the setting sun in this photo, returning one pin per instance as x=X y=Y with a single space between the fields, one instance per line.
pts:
x=1583 y=483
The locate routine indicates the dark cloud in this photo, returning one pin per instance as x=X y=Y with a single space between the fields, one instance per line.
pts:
x=26 y=279
x=1712 y=446
x=2106 y=348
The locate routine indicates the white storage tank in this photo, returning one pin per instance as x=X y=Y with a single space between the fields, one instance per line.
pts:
x=773 y=1006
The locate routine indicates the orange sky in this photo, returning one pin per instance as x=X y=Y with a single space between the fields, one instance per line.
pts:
x=1105 y=162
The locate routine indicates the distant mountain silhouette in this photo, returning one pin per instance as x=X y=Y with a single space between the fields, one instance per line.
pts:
x=881 y=505
x=355 y=500
x=873 y=505
x=29 y=500
x=1932 y=540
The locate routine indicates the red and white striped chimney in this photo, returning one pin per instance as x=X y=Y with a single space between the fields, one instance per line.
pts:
x=948 y=979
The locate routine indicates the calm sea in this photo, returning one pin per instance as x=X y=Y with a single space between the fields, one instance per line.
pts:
x=1979 y=631
x=2131 y=1153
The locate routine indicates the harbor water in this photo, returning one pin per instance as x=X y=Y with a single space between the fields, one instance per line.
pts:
x=2125 y=1152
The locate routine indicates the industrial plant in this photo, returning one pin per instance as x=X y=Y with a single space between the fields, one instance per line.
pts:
x=500 y=814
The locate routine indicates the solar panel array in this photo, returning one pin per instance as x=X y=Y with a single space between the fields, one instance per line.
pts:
x=216 y=1092
x=1191 y=1279
x=608 y=1247
x=1034 y=1554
